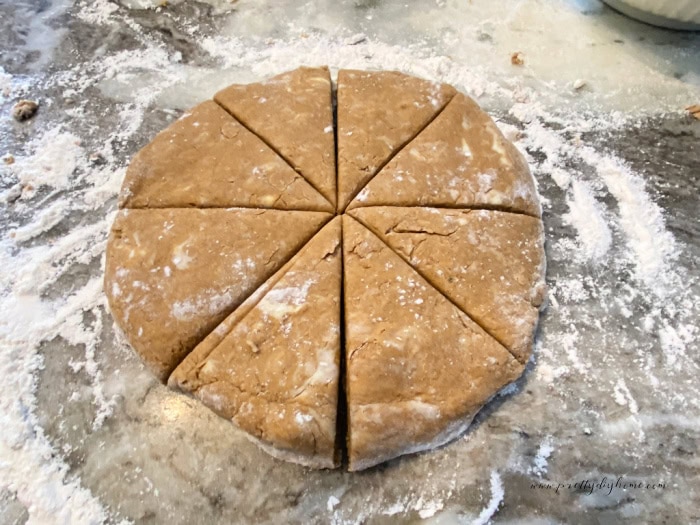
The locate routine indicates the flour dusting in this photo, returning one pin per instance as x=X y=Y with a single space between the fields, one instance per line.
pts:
x=497 y=494
x=586 y=216
x=540 y=463
x=616 y=266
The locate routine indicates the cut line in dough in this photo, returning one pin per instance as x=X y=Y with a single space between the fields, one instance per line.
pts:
x=207 y=159
x=417 y=366
x=488 y=263
x=293 y=114
x=379 y=112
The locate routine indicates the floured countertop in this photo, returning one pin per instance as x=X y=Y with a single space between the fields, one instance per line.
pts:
x=604 y=425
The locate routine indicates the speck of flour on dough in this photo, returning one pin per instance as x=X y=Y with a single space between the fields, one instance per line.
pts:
x=281 y=302
x=209 y=301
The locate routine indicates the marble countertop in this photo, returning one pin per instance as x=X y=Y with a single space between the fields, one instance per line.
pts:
x=604 y=426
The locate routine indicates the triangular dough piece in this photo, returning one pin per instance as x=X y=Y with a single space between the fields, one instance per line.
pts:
x=293 y=113
x=378 y=113
x=173 y=275
x=275 y=374
x=418 y=369
x=489 y=263
x=207 y=159
x=460 y=160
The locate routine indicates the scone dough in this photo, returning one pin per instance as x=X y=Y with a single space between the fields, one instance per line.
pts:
x=379 y=112
x=207 y=159
x=418 y=369
x=460 y=159
x=172 y=276
x=381 y=332
x=275 y=374
x=294 y=113
x=489 y=263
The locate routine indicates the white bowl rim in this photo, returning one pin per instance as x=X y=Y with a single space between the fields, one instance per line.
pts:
x=651 y=18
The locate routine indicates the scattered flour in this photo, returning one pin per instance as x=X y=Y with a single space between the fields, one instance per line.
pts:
x=586 y=216
x=653 y=247
x=428 y=509
x=56 y=161
x=675 y=341
x=208 y=300
x=332 y=503
x=497 y=495
x=52 y=162
x=99 y=12
x=540 y=463
x=5 y=85
x=40 y=483
x=623 y=396
x=44 y=221
x=424 y=505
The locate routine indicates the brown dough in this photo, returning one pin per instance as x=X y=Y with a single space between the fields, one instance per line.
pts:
x=173 y=275
x=293 y=113
x=441 y=291
x=207 y=159
x=418 y=369
x=378 y=113
x=489 y=263
x=275 y=374
x=461 y=159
